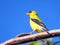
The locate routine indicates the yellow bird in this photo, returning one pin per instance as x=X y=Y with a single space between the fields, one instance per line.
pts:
x=35 y=22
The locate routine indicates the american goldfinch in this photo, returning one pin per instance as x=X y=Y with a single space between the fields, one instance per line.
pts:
x=36 y=23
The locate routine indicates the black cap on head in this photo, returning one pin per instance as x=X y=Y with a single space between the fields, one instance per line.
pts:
x=30 y=12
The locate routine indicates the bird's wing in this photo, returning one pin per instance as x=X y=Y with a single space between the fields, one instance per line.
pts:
x=39 y=23
x=42 y=25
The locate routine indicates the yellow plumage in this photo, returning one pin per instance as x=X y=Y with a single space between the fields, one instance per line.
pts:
x=34 y=26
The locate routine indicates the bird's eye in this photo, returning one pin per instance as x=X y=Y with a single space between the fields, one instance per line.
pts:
x=30 y=12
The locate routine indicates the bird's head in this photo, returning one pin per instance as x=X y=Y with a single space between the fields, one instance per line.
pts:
x=32 y=13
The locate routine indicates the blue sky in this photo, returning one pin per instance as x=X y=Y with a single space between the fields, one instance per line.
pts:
x=14 y=20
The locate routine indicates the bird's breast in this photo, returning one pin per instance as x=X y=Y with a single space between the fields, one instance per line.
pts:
x=34 y=26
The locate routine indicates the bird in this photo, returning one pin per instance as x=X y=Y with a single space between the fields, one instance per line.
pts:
x=37 y=24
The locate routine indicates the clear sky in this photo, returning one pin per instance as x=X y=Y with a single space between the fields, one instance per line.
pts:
x=14 y=20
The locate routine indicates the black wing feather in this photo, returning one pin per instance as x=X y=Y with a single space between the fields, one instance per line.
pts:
x=38 y=22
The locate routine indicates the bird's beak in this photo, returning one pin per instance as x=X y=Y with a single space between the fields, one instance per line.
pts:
x=28 y=14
